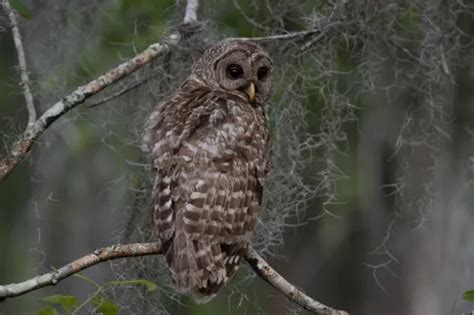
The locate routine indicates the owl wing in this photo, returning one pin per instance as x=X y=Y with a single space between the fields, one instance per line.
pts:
x=173 y=120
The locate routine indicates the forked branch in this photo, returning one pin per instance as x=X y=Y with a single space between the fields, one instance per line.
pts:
x=259 y=265
x=94 y=258
x=22 y=145
x=294 y=295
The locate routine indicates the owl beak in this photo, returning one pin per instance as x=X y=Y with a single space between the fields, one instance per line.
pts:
x=251 y=91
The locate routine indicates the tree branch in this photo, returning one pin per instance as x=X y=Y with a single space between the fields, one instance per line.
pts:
x=286 y=36
x=96 y=257
x=21 y=147
x=326 y=27
x=25 y=80
x=296 y=296
x=23 y=144
x=123 y=91
x=259 y=265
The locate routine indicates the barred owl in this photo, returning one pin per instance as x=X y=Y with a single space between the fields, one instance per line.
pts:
x=209 y=144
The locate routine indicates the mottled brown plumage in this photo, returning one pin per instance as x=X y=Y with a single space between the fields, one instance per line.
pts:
x=209 y=144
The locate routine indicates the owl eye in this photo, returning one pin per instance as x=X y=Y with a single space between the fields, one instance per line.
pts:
x=262 y=73
x=235 y=72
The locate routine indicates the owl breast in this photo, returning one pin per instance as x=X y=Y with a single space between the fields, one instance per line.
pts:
x=223 y=163
x=234 y=138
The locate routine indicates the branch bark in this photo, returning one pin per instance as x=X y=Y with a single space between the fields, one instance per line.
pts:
x=259 y=265
x=94 y=258
x=294 y=295
x=22 y=145
x=24 y=76
x=291 y=35
x=190 y=15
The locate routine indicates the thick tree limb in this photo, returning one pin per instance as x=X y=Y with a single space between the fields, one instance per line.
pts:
x=296 y=296
x=259 y=265
x=21 y=147
x=25 y=80
x=23 y=144
x=96 y=257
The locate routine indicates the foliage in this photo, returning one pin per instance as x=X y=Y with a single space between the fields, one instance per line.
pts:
x=70 y=304
x=21 y=8
x=468 y=296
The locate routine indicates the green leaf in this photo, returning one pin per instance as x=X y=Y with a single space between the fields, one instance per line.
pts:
x=48 y=310
x=105 y=306
x=67 y=302
x=21 y=9
x=150 y=286
x=468 y=296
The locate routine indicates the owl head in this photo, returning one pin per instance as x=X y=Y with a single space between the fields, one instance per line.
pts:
x=236 y=66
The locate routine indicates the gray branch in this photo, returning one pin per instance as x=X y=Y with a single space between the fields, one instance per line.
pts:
x=286 y=36
x=22 y=145
x=94 y=258
x=190 y=15
x=259 y=265
x=25 y=80
x=294 y=295
x=117 y=94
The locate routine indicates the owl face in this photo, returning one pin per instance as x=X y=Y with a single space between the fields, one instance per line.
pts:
x=239 y=67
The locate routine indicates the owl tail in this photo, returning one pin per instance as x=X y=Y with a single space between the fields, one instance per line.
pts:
x=197 y=267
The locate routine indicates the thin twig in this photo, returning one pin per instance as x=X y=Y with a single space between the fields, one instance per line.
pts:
x=294 y=295
x=94 y=258
x=25 y=80
x=324 y=33
x=259 y=265
x=279 y=36
x=248 y=18
x=325 y=26
x=126 y=89
x=23 y=144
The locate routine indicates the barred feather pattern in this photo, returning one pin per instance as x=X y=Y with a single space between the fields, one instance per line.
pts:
x=210 y=150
